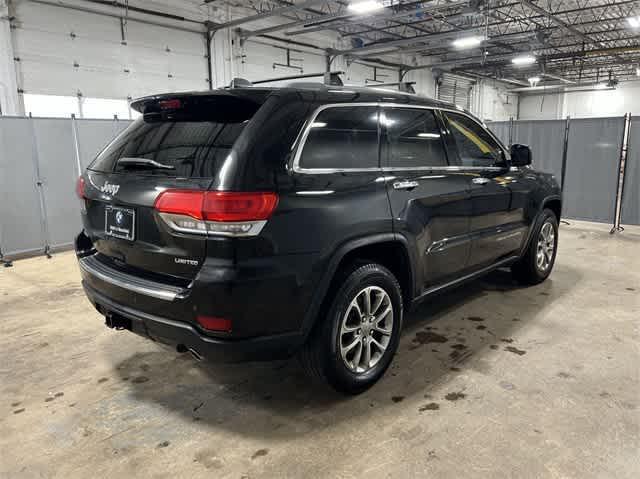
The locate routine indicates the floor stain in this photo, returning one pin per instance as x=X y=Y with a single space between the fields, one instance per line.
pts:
x=15 y=404
x=102 y=380
x=475 y=318
x=140 y=379
x=163 y=444
x=208 y=458
x=481 y=327
x=564 y=375
x=507 y=385
x=425 y=337
x=455 y=369
x=455 y=396
x=198 y=406
x=260 y=453
x=18 y=411
x=397 y=399
x=507 y=340
x=517 y=351
x=630 y=289
x=493 y=346
x=543 y=293
x=432 y=406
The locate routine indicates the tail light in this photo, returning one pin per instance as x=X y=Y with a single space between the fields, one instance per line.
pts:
x=80 y=188
x=216 y=212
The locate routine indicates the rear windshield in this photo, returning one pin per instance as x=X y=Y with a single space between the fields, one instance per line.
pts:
x=185 y=145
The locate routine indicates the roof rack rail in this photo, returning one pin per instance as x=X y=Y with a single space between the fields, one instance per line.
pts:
x=329 y=78
x=403 y=86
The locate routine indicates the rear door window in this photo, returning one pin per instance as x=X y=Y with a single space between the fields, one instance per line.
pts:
x=342 y=138
x=413 y=138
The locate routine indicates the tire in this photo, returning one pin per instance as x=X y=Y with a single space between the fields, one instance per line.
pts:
x=323 y=356
x=530 y=269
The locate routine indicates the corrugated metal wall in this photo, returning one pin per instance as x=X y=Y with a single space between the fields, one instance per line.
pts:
x=593 y=155
x=40 y=160
x=455 y=89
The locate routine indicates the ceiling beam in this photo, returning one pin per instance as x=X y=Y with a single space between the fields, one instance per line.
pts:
x=403 y=41
x=270 y=13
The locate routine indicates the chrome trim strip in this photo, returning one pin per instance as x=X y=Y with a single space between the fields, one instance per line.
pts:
x=94 y=267
x=254 y=227
x=304 y=133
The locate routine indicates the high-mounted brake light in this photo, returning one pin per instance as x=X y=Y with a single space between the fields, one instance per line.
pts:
x=174 y=104
x=216 y=212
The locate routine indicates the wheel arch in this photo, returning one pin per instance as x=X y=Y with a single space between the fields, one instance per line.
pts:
x=387 y=249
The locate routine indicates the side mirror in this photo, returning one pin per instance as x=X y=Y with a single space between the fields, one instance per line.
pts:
x=520 y=155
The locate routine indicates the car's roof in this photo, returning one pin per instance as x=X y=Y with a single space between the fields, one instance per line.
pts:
x=316 y=92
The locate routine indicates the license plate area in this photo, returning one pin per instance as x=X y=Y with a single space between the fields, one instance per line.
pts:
x=120 y=222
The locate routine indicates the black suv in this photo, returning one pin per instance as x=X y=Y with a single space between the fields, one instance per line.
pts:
x=257 y=223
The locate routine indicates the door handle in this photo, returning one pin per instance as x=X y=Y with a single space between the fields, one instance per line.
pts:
x=481 y=181
x=404 y=185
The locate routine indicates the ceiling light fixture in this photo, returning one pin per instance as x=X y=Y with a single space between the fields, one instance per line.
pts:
x=467 y=42
x=523 y=60
x=634 y=22
x=638 y=71
x=365 y=6
x=533 y=81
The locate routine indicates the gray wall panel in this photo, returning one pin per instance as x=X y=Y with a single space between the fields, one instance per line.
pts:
x=501 y=130
x=592 y=168
x=94 y=135
x=20 y=223
x=58 y=172
x=631 y=198
x=546 y=139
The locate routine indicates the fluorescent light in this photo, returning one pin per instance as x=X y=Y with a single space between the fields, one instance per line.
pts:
x=634 y=22
x=365 y=6
x=524 y=60
x=428 y=135
x=638 y=71
x=318 y=124
x=467 y=42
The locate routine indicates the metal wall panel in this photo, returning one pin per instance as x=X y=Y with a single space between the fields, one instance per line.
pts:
x=94 y=135
x=631 y=194
x=58 y=173
x=501 y=130
x=20 y=218
x=546 y=139
x=592 y=168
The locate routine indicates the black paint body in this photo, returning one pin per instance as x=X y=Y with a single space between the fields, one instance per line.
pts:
x=447 y=229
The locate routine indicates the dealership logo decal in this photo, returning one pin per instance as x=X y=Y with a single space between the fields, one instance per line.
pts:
x=110 y=188
x=119 y=217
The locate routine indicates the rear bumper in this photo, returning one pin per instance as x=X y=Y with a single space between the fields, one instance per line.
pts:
x=183 y=336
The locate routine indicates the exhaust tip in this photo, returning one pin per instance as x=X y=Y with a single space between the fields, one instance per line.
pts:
x=196 y=355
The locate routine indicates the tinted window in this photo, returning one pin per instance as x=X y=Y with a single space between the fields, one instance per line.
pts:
x=187 y=149
x=475 y=146
x=413 y=138
x=342 y=137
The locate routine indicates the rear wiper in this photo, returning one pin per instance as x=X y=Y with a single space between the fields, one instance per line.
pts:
x=144 y=163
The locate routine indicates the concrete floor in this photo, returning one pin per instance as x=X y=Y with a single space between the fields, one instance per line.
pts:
x=537 y=382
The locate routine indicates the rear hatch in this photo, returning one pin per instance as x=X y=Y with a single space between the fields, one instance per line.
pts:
x=179 y=143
